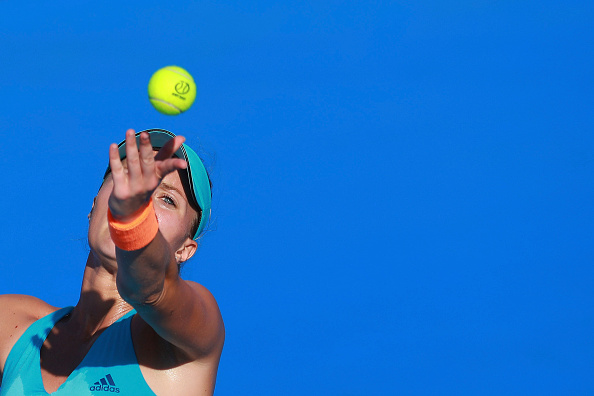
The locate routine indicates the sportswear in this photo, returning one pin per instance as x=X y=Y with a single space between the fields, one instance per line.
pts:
x=109 y=368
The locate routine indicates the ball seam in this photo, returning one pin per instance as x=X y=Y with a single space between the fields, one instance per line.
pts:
x=166 y=103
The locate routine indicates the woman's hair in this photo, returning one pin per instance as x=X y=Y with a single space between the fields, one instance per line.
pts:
x=196 y=221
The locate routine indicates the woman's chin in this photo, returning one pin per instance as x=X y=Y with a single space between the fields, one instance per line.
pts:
x=103 y=248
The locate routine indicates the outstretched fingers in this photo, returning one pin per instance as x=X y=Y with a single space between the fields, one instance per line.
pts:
x=164 y=163
x=163 y=168
x=133 y=159
x=147 y=156
x=134 y=183
x=118 y=173
x=170 y=148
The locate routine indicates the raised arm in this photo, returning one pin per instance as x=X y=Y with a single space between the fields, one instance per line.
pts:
x=181 y=312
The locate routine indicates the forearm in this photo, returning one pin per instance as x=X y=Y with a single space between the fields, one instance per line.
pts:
x=141 y=273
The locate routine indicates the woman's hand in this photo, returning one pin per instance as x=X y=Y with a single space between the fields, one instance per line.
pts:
x=134 y=184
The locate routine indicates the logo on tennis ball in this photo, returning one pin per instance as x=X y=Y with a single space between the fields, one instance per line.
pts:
x=182 y=87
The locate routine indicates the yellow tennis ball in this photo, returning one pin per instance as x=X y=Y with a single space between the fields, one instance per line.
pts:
x=172 y=90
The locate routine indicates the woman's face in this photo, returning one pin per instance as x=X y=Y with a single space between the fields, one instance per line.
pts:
x=174 y=214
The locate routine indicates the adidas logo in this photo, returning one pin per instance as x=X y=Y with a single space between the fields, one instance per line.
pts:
x=105 y=384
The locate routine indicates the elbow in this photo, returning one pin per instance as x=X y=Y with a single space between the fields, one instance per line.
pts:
x=139 y=295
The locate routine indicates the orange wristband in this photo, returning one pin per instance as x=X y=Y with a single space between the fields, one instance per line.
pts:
x=135 y=234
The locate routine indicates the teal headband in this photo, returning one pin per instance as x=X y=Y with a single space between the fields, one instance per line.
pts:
x=199 y=185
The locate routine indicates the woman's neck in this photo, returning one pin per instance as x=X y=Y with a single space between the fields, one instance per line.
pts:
x=99 y=304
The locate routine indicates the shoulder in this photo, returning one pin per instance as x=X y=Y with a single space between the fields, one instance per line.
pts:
x=211 y=307
x=188 y=317
x=203 y=293
x=19 y=306
x=17 y=313
x=186 y=332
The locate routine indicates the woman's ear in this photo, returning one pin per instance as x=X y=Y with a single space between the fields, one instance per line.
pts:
x=186 y=250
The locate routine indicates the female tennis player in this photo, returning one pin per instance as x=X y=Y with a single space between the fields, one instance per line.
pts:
x=138 y=328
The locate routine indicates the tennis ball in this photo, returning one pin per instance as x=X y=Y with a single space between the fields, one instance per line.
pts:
x=171 y=90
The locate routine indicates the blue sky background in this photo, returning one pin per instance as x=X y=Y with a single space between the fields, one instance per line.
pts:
x=403 y=190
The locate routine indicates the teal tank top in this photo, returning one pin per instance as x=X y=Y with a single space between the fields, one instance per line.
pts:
x=109 y=368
